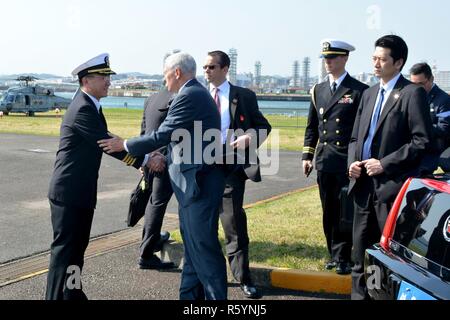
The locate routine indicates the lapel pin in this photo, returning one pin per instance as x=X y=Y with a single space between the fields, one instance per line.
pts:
x=396 y=96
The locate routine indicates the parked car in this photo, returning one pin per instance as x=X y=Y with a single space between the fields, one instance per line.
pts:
x=412 y=260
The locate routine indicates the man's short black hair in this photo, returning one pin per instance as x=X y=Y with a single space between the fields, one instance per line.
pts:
x=399 y=49
x=421 y=68
x=224 y=59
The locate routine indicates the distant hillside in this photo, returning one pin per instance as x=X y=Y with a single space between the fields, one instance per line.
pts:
x=42 y=76
x=136 y=75
x=46 y=76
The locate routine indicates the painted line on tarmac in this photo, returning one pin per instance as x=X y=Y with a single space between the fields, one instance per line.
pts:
x=26 y=268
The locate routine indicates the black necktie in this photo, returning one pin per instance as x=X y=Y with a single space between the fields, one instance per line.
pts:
x=333 y=87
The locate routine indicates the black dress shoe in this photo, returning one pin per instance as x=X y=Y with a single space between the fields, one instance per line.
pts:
x=155 y=263
x=165 y=236
x=343 y=268
x=330 y=265
x=250 y=291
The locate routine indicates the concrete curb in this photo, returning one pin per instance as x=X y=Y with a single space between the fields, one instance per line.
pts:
x=269 y=277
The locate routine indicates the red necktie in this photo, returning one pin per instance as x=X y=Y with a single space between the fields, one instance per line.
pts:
x=217 y=99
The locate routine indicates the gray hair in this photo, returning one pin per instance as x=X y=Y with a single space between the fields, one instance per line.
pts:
x=168 y=54
x=183 y=61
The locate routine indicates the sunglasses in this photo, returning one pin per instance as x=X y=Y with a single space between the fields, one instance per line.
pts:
x=211 y=67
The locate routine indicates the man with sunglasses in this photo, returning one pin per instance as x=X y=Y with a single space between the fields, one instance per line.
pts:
x=239 y=110
x=73 y=187
x=439 y=103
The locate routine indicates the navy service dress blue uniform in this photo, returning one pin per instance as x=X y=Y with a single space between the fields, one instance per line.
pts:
x=73 y=186
x=439 y=102
x=329 y=127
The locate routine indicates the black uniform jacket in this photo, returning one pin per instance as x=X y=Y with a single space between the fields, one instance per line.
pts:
x=439 y=102
x=74 y=180
x=330 y=124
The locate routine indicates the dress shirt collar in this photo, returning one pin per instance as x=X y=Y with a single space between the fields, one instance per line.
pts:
x=94 y=100
x=391 y=84
x=338 y=80
x=224 y=89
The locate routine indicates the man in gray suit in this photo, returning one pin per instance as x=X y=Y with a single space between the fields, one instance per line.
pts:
x=198 y=186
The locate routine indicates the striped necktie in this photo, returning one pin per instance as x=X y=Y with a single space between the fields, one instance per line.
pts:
x=217 y=99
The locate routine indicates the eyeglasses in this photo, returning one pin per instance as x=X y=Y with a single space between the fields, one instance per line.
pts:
x=210 y=67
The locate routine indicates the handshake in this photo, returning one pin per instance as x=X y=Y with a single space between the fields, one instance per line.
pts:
x=156 y=162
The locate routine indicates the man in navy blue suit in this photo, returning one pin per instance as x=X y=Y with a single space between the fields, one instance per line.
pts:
x=198 y=185
x=439 y=102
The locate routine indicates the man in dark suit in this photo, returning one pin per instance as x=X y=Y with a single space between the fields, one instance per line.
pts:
x=239 y=111
x=391 y=135
x=439 y=102
x=197 y=182
x=73 y=187
x=330 y=122
x=155 y=111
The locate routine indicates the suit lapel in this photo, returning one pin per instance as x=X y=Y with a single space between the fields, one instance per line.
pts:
x=103 y=118
x=233 y=106
x=393 y=98
x=343 y=89
x=98 y=112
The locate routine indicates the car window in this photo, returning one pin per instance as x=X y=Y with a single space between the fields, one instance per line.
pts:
x=422 y=226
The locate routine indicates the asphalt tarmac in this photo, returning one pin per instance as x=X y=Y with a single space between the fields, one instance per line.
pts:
x=26 y=164
x=25 y=229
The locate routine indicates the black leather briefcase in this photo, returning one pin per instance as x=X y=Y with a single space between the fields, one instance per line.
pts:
x=138 y=202
x=347 y=211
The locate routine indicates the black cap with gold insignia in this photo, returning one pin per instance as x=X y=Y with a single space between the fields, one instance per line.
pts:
x=332 y=48
x=97 y=65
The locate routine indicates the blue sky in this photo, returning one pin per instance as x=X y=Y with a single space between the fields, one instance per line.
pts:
x=54 y=36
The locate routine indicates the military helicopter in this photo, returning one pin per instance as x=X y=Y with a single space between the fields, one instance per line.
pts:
x=28 y=98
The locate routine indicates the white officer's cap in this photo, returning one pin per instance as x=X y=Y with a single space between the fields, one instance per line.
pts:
x=332 y=48
x=97 y=65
